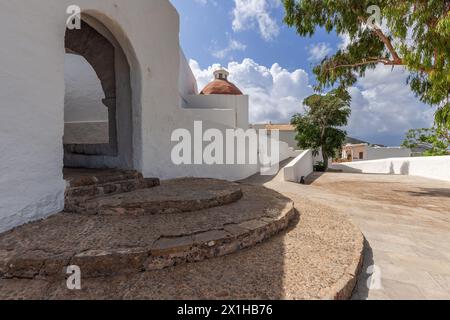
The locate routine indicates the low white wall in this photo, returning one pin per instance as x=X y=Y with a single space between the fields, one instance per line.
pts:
x=239 y=105
x=302 y=166
x=427 y=167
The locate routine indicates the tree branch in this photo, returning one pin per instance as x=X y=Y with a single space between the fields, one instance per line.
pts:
x=389 y=45
x=363 y=63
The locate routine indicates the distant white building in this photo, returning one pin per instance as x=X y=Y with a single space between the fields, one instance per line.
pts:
x=365 y=152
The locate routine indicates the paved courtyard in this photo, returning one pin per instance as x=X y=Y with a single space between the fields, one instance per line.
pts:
x=406 y=221
x=255 y=246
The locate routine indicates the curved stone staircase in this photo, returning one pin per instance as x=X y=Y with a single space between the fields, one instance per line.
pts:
x=117 y=222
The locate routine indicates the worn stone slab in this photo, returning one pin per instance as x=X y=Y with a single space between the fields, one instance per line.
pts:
x=296 y=264
x=105 y=245
x=86 y=184
x=179 y=195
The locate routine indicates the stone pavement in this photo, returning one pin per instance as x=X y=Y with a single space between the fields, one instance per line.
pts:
x=104 y=245
x=406 y=221
x=318 y=257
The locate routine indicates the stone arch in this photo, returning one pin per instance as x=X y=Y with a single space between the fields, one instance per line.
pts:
x=98 y=51
x=97 y=44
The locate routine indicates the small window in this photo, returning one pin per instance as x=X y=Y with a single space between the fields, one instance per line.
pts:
x=361 y=155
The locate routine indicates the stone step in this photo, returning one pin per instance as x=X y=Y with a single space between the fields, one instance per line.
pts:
x=83 y=184
x=86 y=177
x=174 y=196
x=104 y=245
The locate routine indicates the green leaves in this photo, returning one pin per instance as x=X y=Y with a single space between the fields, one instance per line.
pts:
x=319 y=128
x=442 y=117
x=415 y=34
x=435 y=140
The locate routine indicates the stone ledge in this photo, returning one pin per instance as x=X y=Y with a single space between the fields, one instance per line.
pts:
x=86 y=177
x=344 y=287
x=163 y=253
x=313 y=259
x=114 y=244
x=86 y=184
x=173 y=196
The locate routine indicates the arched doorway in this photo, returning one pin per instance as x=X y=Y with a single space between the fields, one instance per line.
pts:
x=86 y=118
x=100 y=139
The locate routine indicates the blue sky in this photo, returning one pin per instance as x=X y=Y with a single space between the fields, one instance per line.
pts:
x=206 y=27
x=272 y=64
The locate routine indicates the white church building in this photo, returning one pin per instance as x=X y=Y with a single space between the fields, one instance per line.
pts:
x=108 y=95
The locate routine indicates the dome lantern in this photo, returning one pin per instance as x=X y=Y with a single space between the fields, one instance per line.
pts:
x=221 y=85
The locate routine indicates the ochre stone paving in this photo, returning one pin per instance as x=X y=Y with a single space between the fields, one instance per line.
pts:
x=257 y=247
x=105 y=245
x=317 y=258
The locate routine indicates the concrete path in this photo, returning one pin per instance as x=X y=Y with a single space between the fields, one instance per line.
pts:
x=406 y=222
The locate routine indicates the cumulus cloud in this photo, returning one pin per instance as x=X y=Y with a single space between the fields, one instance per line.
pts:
x=233 y=45
x=275 y=93
x=319 y=51
x=249 y=14
x=384 y=108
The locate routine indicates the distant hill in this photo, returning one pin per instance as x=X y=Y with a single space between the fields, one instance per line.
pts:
x=350 y=140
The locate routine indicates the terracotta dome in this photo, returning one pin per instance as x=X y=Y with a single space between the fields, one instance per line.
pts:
x=221 y=85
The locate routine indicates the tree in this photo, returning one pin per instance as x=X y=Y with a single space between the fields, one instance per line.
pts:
x=436 y=140
x=319 y=128
x=413 y=33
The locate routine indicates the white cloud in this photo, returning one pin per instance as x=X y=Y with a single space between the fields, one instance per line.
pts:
x=202 y=2
x=275 y=93
x=319 y=51
x=233 y=45
x=249 y=14
x=345 y=41
x=384 y=108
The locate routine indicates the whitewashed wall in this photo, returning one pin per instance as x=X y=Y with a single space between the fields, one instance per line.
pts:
x=186 y=80
x=302 y=166
x=32 y=95
x=239 y=105
x=32 y=99
x=427 y=167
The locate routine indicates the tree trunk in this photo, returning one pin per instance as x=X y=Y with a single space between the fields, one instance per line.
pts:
x=325 y=159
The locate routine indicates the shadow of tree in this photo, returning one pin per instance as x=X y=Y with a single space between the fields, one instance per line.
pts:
x=429 y=192
x=404 y=169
